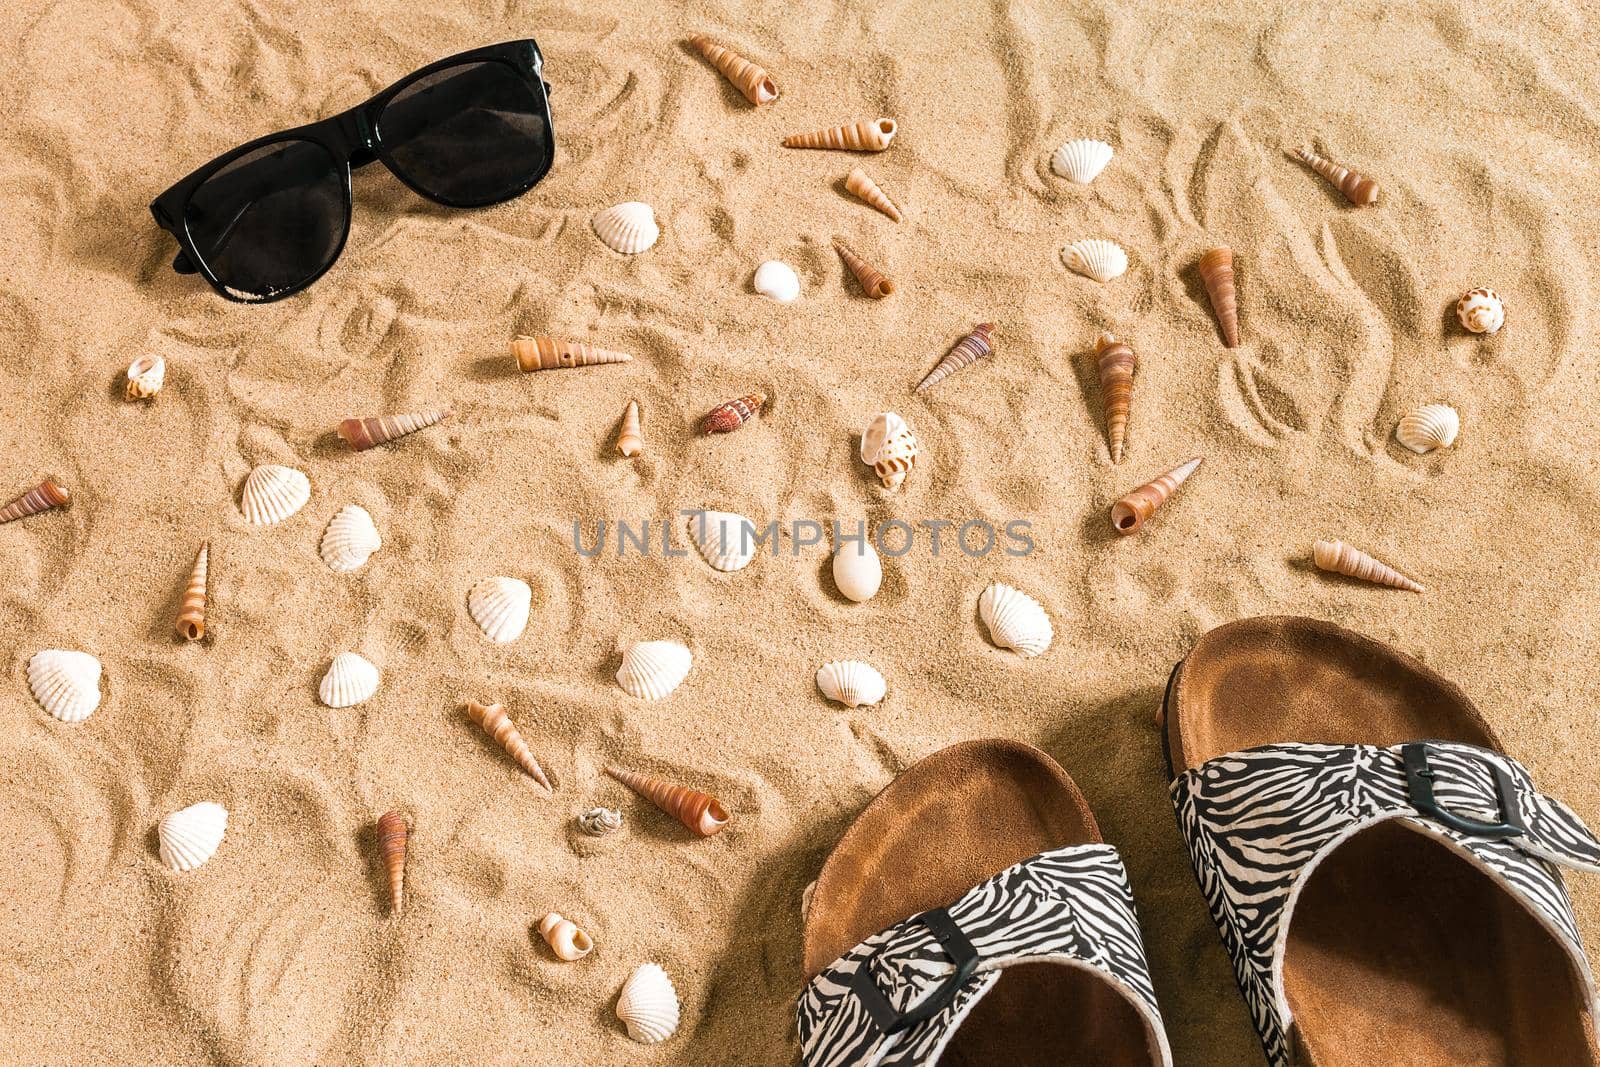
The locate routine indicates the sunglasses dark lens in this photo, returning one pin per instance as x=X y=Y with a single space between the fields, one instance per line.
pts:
x=270 y=220
x=469 y=134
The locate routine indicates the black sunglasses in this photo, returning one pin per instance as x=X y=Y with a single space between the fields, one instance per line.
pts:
x=269 y=218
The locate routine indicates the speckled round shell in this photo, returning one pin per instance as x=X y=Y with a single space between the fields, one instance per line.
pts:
x=1429 y=427
x=726 y=540
x=500 y=607
x=351 y=680
x=651 y=670
x=66 y=684
x=1097 y=259
x=145 y=377
x=851 y=682
x=648 y=1005
x=192 y=835
x=350 y=539
x=629 y=227
x=1481 y=311
x=1082 y=160
x=272 y=493
x=1015 y=620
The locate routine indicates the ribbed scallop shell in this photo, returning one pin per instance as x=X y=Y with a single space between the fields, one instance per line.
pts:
x=1429 y=427
x=273 y=493
x=776 y=280
x=648 y=1005
x=192 y=835
x=351 y=679
x=1015 y=620
x=1081 y=160
x=628 y=227
x=1095 y=258
x=500 y=607
x=852 y=682
x=66 y=684
x=651 y=670
x=1481 y=311
x=726 y=539
x=145 y=377
x=350 y=539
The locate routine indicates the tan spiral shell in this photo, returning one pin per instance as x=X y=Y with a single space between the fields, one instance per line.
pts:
x=1340 y=558
x=191 y=622
x=495 y=723
x=1130 y=513
x=630 y=440
x=145 y=377
x=756 y=85
x=362 y=434
x=1481 y=311
x=890 y=448
x=868 y=135
x=1117 y=364
x=873 y=282
x=701 y=812
x=1216 y=271
x=564 y=937
x=975 y=346
x=539 y=352
x=1357 y=188
x=392 y=836
x=859 y=184
x=42 y=497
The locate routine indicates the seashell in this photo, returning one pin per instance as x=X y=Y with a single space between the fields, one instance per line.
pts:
x=1353 y=563
x=726 y=539
x=1481 y=311
x=868 y=135
x=539 y=352
x=500 y=606
x=1097 y=259
x=859 y=184
x=597 y=822
x=350 y=539
x=1429 y=427
x=1117 y=364
x=873 y=283
x=351 y=679
x=629 y=228
x=192 y=835
x=145 y=377
x=1357 y=188
x=392 y=835
x=1216 y=270
x=888 y=446
x=362 y=434
x=1015 y=620
x=564 y=938
x=66 y=684
x=806 y=895
x=756 y=85
x=851 y=682
x=1082 y=160
x=1131 y=512
x=857 y=571
x=970 y=349
x=42 y=497
x=630 y=441
x=776 y=280
x=272 y=493
x=495 y=723
x=701 y=812
x=725 y=418
x=648 y=1005
x=651 y=670
x=192 y=608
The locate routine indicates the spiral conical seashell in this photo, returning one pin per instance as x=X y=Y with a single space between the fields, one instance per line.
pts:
x=1130 y=513
x=851 y=682
x=756 y=85
x=725 y=539
x=351 y=679
x=66 y=684
x=350 y=539
x=651 y=670
x=701 y=812
x=873 y=282
x=564 y=938
x=888 y=446
x=1357 y=188
x=1481 y=311
x=362 y=434
x=145 y=377
x=868 y=135
x=598 y=822
x=192 y=835
x=1216 y=271
x=1015 y=620
x=495 y=723
x=47 y=494
x=858 y=183
x=648 y=1005
x=1117 y=364
x=1429 y=427
x=629 y=227
x=1097 y=259
x=548 y=353
x=630 y=441
x=500 y=606
x=970 y=349
x=192 y=608
x=1352 y=562
x=1081 y=161
x=273 y=493
x=725 y=418
x=392 y=835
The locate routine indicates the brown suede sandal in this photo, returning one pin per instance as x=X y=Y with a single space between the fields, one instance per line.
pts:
x=971 y=915
x=1383 y=877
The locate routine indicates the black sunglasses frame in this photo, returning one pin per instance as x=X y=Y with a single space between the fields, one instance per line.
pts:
x=354 y=138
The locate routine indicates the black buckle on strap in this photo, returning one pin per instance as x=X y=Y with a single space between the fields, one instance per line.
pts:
x=1419 y=785
x=956 y=946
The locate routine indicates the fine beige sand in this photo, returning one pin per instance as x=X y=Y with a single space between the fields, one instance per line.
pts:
x=1481 y=121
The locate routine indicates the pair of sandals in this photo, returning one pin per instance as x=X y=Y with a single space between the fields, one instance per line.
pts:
x=1389 y=893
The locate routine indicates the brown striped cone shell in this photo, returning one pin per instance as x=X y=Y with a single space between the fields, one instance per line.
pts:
x=495 y=723
x=42 y=497
x=970 y=349
x=1216 y=270
x=548 y=353
x=392 y=834
x=701 y=812
x=1117 y=364
x=362 y=434
x=1340 y=558
x=859 y=184
x=868 y=135
x=1357 y=188
x=192 y=609
x=756 y=85
x=630 y=442
x=1130 y=513
x=725 y=418
x=873 y=283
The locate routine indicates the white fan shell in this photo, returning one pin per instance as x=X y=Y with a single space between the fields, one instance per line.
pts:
x=192 y=835
x=351 y=679
x=272 y=493
x=1097 y=259
x=350 y=539
x=648 y=1005
x=1429 y=427
x=500 y=607
x=1015 y=620
x=1081 y=160
x=726 y=539
x=651 y=670
x=66 y=684
x=852 y=682
x=628 y=227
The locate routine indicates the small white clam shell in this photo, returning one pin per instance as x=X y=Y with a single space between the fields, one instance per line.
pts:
x=1081 y=160
x=351 y=679
x=273 y=493
x=1481 y=311
x=857 y=571
x=628 y=227
x=1015 y=620
x=350 y=539
x=145 y=377
x=1097 y=259
x=66 y=684
x=852 y=682
x=777 y=280
x=500 y=607
x=1429 y=427
x=651 y=670
x=192 y=835
x=726 y=539
x=648 y=1005
x=597 y=822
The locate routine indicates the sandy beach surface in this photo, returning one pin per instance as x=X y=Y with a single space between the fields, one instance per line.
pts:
x=1480 y=121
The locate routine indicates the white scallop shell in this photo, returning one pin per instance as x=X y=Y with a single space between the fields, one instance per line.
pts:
x=192 y=835
x=857 y=571
x=350 y=680
x=1081 y=160
x=145 y=377
x=1481 y=311
x=851 y=681
x=1097 y=259
x=778 y=281
x=350 y=539
x=726 y=539
x=500 y=607
x=1015 y=620
x=628 y=227
x=1429 y=427
x=653 y=669
x=66 y=684
x=597 y=822
x=272 y=493
x=648 y=1005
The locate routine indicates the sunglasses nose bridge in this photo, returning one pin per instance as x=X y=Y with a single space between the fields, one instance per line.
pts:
x=356 y=133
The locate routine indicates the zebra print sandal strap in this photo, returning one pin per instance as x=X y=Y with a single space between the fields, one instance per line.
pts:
x=897 y=999
x=1258 y=822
